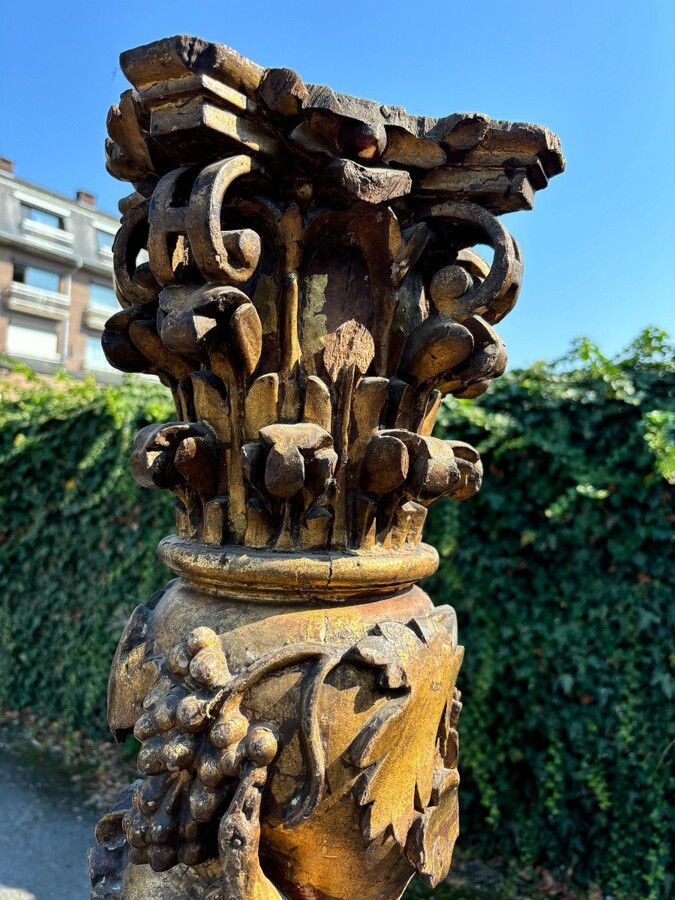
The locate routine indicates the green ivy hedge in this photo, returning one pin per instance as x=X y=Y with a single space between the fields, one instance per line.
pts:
x=561 y=570
x=77 y=539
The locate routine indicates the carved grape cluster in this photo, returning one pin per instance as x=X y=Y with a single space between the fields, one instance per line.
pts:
x=195 y=748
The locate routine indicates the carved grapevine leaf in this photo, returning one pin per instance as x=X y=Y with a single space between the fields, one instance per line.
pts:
x=431 y=839
x=397 y=748
x=433 y=835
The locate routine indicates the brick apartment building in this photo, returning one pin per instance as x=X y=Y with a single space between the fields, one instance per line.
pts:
x=55 y=277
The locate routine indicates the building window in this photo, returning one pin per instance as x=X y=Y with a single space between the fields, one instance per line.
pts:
x=104 y=241
x=103 y=295
x=41 y=216
x=95 y=357
x=36 y=343
x=35 y=277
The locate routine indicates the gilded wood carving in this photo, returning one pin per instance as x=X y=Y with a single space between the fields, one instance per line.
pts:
x=297 y=266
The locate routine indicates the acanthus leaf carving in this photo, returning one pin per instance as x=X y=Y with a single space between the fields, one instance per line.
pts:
x=215 y=327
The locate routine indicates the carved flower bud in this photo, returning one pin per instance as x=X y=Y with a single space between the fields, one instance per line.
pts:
x=289 y=448
x=284 y=472
x=475 y=389
x=157 y=461
x=435 y=471
x=470 y=470
x=243 y=249
x=433 y=349
x=386 y=464
x=319 y=469
x=487 y=361
x=193 y=322
x=119 y=349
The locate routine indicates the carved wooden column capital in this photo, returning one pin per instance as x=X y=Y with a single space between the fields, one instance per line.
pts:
x=297 y=266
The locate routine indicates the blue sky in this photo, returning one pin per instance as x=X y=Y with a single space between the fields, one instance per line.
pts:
x=599 y=245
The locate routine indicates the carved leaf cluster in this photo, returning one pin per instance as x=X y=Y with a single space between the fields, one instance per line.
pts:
x=296 y=435
x=309 y=263
x=408 y=743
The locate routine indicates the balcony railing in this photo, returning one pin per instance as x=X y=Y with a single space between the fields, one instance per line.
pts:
x=37 y=302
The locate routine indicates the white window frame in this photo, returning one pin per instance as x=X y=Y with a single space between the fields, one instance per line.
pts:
x=44 y=234
x=39 y=267
x=99 y=305
x=40 y=202
x=29 y=354
x=23 y=298
x=104 y=252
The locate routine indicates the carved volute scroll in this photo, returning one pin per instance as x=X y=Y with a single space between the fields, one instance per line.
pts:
x=298 y=267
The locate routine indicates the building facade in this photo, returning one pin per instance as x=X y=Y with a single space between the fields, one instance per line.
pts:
x=56 y=277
